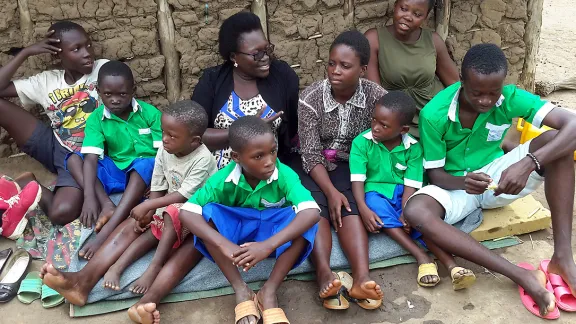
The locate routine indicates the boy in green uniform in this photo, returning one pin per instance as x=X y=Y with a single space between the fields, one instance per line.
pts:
x=130 y=133
x=386 y=169
x=461 y=131
x=253 y=208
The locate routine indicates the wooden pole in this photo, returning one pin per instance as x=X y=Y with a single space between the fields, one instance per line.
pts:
x=442 y=17
x=259 y=9
x=532 y=42
x=167 y=38
x=26 y=25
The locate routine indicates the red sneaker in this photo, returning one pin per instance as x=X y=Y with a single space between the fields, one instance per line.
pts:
x=14 y=218
x=8 y=188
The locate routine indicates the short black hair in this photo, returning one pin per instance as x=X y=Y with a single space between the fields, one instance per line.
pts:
x=431 y=5
x=484 y=59
x=116 y=68
x=356 y=41
x=246 y=128
x=60 y=27
x=232 y=30
x=190 y=114
x=400 y=103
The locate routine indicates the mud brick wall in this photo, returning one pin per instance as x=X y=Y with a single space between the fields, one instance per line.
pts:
x=302 y=31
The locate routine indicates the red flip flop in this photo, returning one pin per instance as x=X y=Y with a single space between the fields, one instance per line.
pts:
x=564 y=298
x=530 y=304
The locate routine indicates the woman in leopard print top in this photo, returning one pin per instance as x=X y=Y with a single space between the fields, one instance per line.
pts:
x=249 y=82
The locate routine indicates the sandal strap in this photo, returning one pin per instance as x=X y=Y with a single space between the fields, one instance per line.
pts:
x=274 y=316
x=556 y=280
x=247 y=308
x=561 y=291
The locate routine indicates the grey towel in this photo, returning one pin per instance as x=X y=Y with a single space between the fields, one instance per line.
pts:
x=206 y=275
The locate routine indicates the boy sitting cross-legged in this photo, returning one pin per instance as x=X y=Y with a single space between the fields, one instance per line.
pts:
x=129 y=131
x=386 y=168
x=253 y=208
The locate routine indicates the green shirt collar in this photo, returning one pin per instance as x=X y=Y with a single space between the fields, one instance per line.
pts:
x=236 y=174
x=453 y=109
x=406 y=139
x=135 y=108
x=358 y=99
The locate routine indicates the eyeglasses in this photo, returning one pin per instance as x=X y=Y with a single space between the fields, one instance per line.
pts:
x=260 y=54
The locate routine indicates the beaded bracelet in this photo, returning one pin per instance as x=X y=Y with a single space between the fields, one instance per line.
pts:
x=535 y=160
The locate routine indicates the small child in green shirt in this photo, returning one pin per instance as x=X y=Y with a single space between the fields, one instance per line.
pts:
x=386 y=167
x=254 y=208
x=122 y=138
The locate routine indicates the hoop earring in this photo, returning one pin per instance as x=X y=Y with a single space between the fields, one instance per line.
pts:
x=235 y=64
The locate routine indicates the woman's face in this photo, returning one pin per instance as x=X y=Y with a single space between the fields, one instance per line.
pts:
x=250 y=44
x=409 y=15
x=344 y=68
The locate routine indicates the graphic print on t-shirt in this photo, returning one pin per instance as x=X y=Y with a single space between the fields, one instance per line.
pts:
x=71 y=107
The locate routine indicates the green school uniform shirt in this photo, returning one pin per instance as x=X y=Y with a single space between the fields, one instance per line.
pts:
x=380 y=169
x=460 y=150
x=229 y=187
x=139 y=136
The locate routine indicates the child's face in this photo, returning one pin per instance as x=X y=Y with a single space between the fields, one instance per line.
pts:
x=481 y=91
x=386 y=124
x=177 y=138
x=258 y=156
x=344 y=68
x=77 y=52
x=116 y=93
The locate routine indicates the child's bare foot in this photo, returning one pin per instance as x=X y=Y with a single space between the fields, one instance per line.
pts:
x=90 y=248
x=133 y=313
x=565 y=268
x=67 y=284
x=366 y=289
x=330 y=286
x=105 y=215
x=112 y=278
x=148 y=313
x=242 y=295
x=142 y=285
x=534 y=283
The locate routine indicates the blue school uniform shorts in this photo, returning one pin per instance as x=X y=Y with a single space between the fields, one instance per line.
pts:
x=242 y=225
x=115 y=180
x=389 y=210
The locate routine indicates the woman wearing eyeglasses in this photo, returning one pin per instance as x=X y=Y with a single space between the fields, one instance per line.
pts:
x=249 y=82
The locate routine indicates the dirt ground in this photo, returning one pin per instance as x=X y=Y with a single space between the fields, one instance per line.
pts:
x=494 y=299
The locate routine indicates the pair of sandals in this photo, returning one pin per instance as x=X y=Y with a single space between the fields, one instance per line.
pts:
x=555 y=284
x=342 y=299
x=32 y=288
x=431 y=269
x=254 y=308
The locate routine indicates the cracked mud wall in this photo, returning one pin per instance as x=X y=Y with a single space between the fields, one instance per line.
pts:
x=301 y=29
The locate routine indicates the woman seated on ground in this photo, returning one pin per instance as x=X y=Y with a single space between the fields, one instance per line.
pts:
x=249 y=82
x=404 y=56
x=331 y=113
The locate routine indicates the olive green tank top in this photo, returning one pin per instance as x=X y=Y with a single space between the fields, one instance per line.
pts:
x=409 y=67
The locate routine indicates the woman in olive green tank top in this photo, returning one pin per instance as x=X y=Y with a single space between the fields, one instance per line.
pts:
x=406 y=57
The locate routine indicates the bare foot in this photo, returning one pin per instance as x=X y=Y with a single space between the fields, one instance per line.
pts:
x=133 y=313
x=366 y=289
x=90 y=248
x=112 y=278
x=148 y=313
x=142 y=285
x=534 y=283
x=566 y=269
x=330 y=286
x=105 y=215
x=67 y=284
x=243 y=295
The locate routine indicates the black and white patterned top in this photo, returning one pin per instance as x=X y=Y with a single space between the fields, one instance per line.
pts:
x=233 y=109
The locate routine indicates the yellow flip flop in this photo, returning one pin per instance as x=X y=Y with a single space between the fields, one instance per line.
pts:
x=427 y=269
x=465 y=281
x=368 y=304
x=338 y=301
